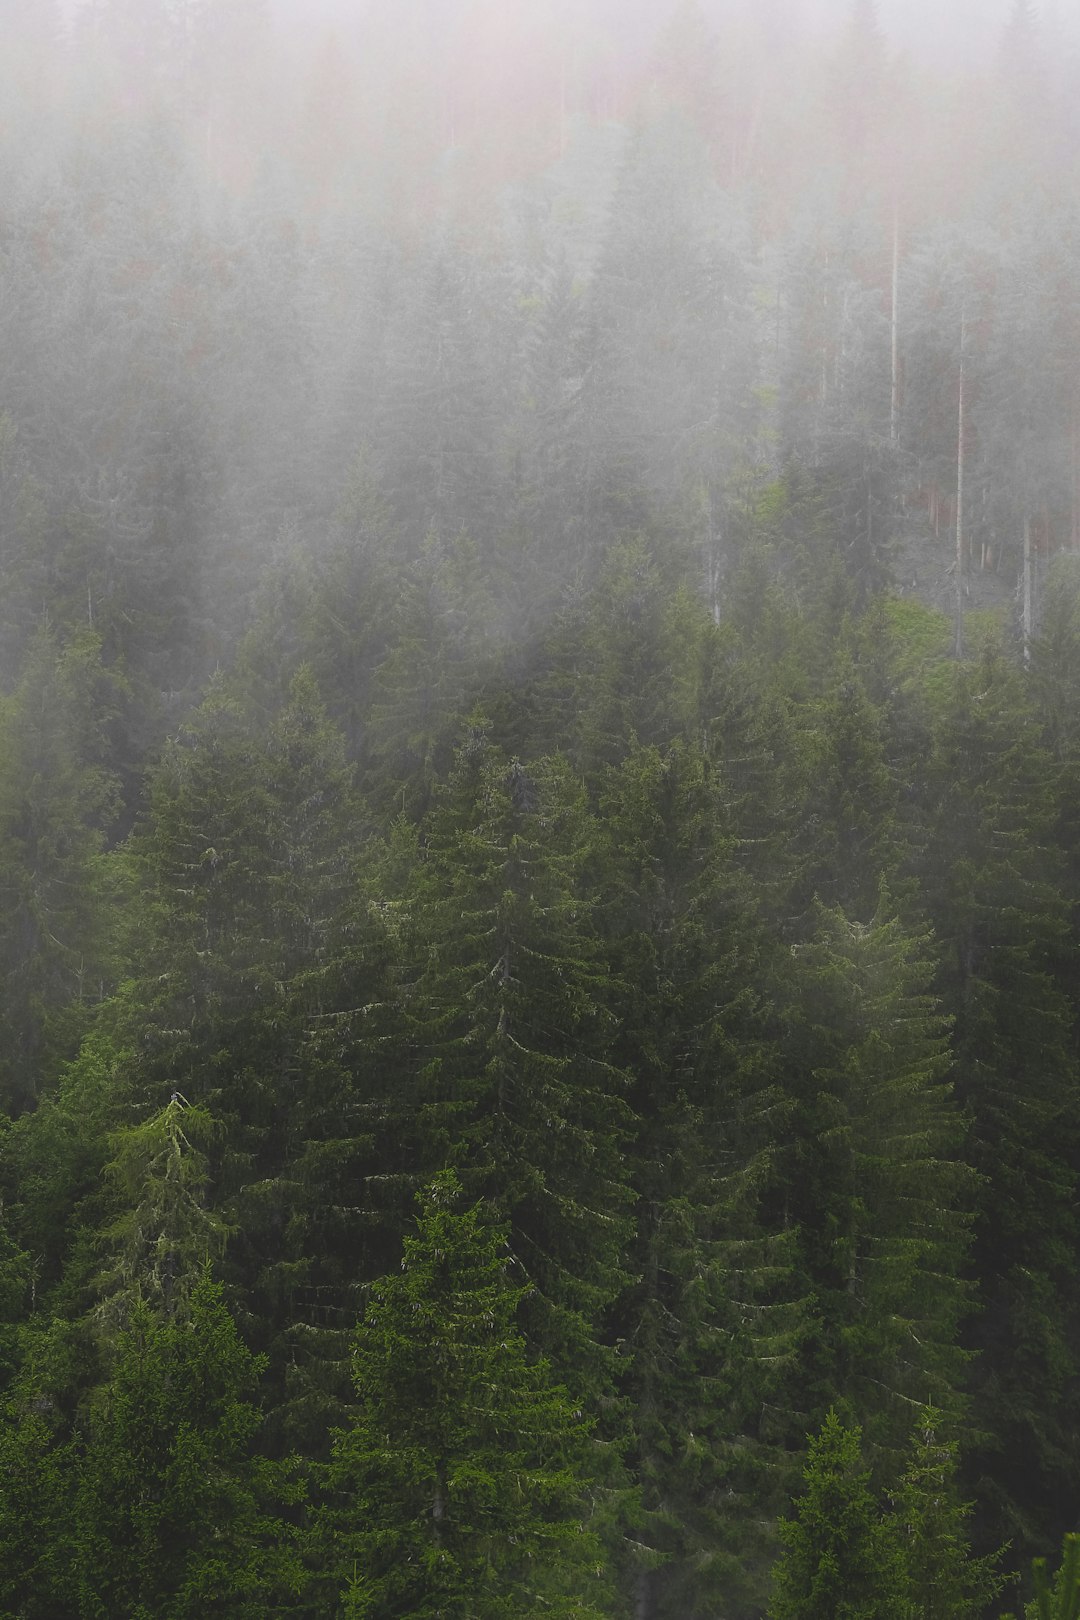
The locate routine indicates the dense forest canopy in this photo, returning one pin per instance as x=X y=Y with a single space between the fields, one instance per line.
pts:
x=539 y=851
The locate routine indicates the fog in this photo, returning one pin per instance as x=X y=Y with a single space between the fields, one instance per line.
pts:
x=254 y=245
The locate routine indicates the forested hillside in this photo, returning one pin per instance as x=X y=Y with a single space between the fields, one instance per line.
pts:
x=539 y=831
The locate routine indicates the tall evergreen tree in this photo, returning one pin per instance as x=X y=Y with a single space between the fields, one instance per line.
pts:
x=708 y=1325
x=173 y=1514
x=57 y=802
x=874 y=1180
x=944 y=1580
x=992 y=877
x=507 y=1019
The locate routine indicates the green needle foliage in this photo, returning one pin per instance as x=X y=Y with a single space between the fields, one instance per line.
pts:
x=944 y=1581
x=174 y=1516
x=460 y=1491
x=1061 y=1601
x=874 y=1177
x=841 y=1560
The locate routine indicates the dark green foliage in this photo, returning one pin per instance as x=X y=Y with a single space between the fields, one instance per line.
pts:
x=519 y=415
x=994 y=879
x=873 y=1178
x=39 y=1459
x=709 y=1324
x=164 y=1234
x=507 y=1017
x=172 y=1514
x=1062 y=1602
x=15 y=1277
x=460 y=1487
x=1060 y=1599
x=57 y=802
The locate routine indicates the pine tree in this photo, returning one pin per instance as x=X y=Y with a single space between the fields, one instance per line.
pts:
x=461 y=1486
x=173 y=1514
x=840 y=1560
x=944 y=1580
x=874 y=1178
x=248 y=854
x=57 y=801
x=1059 y=1600
x=39 y=1459
x=164 y=1233
x=993 y=879
x=1063 y=1601
x=708 y=1325
x=512 y=1075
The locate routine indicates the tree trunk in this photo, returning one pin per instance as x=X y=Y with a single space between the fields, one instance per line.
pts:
x=958 y=646
x=1028 y=625
x=894 y=398
x=438 y=1504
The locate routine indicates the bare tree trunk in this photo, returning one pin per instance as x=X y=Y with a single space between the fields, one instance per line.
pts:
x=712 y=563
x=894 y=398
x=1028 y=622
x=958 y=645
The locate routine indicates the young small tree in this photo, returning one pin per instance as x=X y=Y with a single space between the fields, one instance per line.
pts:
x=840 y=1559
x=1061 y=1601
x=460 y=1489
x=944 y=1582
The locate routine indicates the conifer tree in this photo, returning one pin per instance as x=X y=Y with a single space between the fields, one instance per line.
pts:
x=944 y=1580
x=39 y=1459
x=1062 y=1601
x=993 y=878
x=57 y=801
x=163 y=1234
x=840 y=1559
x=709 y=1324
x=874 y=1178
x=461 y=1487
x=248 y=852
x=173 y=1514
x=512 y=1078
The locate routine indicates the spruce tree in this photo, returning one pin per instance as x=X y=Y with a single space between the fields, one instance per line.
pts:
x=944 y=1580
x=709 y=1323
x=511 y=1077
x=174 y=1516
x=461 y=1487
x=57 y=802
x=995 y=888
x=840 y=1559
x=873 y=1176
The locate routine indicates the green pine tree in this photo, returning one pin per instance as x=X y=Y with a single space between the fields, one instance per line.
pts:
x=840 y=1559
x=709 y=1324
x=996 y=891
x=873 y=1176
x=174 y=1514
x=944 y=1580
x=461 y=1488
x=506 y=1015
